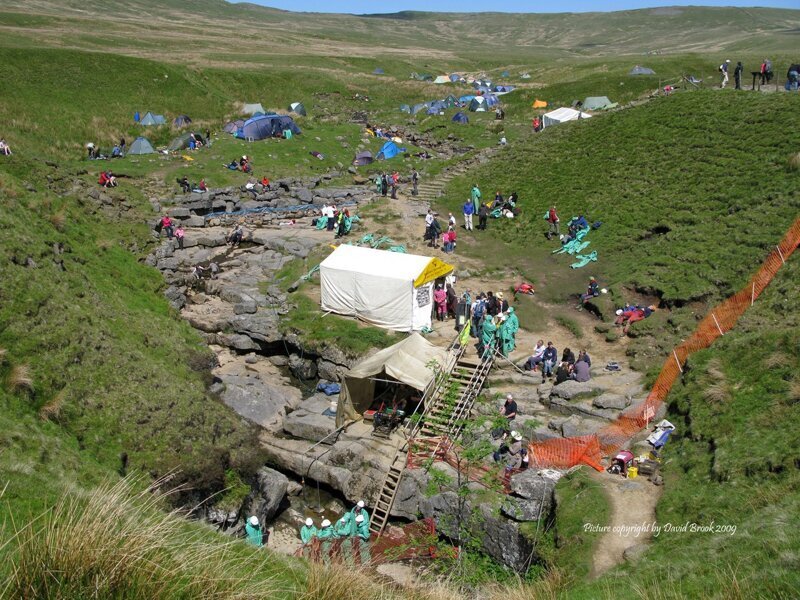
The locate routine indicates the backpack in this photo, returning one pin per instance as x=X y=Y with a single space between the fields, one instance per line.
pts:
x=480 y=310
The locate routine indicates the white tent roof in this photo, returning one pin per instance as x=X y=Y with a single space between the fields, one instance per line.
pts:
x=442 y=79
x=561 y=115
x=379 y=263
x=251 y=109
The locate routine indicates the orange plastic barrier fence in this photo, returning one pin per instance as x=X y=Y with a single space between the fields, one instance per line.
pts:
x=589 y=450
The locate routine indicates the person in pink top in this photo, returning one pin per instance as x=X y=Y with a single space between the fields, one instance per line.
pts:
x=440 y=298
x=166 y=225
x=179 y=233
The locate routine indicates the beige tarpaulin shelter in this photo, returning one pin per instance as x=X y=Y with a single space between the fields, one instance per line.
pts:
x=407 y=362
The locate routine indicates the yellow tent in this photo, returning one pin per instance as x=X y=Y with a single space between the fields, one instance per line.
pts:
x=539 y=104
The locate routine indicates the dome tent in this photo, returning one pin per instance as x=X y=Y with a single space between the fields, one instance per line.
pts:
x=639 y=70
x=298 y=108
x=141 y=145
x=460 y=117
x=266 y=126
x=378 y=71
x=181 y=120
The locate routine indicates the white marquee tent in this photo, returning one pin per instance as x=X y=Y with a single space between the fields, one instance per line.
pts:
x=562 y=115
x=387 y=289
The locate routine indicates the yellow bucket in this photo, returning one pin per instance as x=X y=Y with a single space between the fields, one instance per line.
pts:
x=633 y=472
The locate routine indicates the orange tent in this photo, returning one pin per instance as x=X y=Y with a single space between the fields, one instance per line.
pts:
x=539 y=104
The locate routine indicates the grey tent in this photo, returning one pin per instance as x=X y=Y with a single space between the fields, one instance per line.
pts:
x=363 y=158
x=233 y=126
x=638 y=70
x=152 y=119
x=405 y=108
x=406 y=362
x=182 y=141
x=251 y=109
x=378 y=71
x=181 y=120
x=598 y=103
x=141 y=146
x=298 y=108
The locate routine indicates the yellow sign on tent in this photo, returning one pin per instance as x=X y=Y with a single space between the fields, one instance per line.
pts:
x=435 y=269
x=539 y=104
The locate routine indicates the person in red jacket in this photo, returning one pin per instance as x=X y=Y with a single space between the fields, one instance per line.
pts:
x=552 y=218
x=166 y=225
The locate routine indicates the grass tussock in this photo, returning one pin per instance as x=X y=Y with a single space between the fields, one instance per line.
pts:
x=20 y=379
x=776 y=359
x=51 y=411
x=794 y=161
x=548 y=587
x=3 y=353
x=794 y=391
x=117 y=543
x=59 y=220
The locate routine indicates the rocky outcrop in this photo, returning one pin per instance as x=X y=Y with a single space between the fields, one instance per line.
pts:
x=314 y=420
x=257 y=400
x=268 y=493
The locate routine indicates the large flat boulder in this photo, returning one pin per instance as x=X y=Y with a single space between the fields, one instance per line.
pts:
x=308 y=421
x=571 y=389
x=257 y=400
x=535 y=485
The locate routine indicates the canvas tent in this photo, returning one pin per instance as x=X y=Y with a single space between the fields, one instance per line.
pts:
x=152 y=119
x=638 y=70
x=181 y=120
x=407 y=362
x=298 y=108
x=442 y=79
x=363 y=158
x=562 y=115
x=266 y=126
x=460 y=117
x=389 y=150
x=141 y=146
x=598 y=103
x=251 y=109
x=386 y=289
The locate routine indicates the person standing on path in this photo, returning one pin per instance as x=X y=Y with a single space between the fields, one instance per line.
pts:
x=737 y=75
x=469 y=210
x=179 y=233
x=395 y=179
x=475 y=195
x=414 y=182
x=723 y=68
x=384 y=184
x=552 y=218
x=483 y=215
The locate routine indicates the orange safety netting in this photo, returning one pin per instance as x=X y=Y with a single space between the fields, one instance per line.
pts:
x=589 y=450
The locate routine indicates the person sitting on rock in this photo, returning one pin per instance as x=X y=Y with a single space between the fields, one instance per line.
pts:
x=583 y=356
x=184 y=183
x=581 y=372
x=536 y=357
x=202 y=187
x=568 y=356
x=592 y=291
x=234 y=238
x=550 y=357
x=563 y=373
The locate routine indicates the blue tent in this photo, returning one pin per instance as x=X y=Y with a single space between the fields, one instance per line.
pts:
x=504 y=88
x=266 y=126
x=181 y=121
x=504 y=74
x=491 y=99
x=467 y=98
x=455 y=77
x=378 y=71
x=460 y=117
x=389 y=150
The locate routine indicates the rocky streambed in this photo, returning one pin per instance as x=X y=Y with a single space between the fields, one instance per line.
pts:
x=270 y=378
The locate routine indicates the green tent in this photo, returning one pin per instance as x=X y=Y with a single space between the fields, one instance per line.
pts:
x=598 y=103
x=451 y=101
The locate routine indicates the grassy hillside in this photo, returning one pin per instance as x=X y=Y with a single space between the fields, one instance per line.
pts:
x=213 y=31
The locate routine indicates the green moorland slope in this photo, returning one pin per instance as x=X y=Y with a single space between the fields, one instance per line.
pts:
x=99 y=377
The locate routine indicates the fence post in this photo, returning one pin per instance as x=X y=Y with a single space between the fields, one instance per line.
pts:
x=780 y=254
x=675 y=354
x=717 y=323
x=753 y=295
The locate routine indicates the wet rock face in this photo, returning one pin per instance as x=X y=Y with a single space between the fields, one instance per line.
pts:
x=269 y=491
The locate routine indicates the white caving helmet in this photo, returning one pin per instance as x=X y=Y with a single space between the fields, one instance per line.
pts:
x=254 y=520
x=326 y=523
x=309 y=522
x=619 y=312
x=360 y=504
x=360 y=519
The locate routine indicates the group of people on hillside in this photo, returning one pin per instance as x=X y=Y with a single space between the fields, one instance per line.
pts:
x=352 y=527
x=335 y=220
x=494 y=323
x=107 y=179
x=545 y=358
x=764 y=73
x=243 y=164
x=384 y=183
